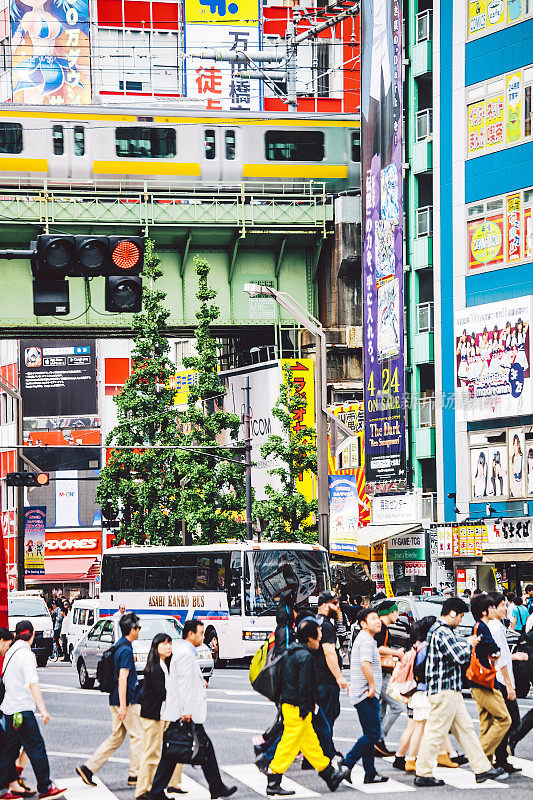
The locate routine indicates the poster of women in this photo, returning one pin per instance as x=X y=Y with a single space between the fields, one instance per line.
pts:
x=51 y=52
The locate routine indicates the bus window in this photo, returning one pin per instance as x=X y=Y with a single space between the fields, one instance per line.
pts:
x=58 y=140
x=234 y=583
x=133 y=579
x=10 y=137
x=79 y=140
x=230 y=145
x=210 y=146
x=356 y=146
x=158 y=579
x=137 y=142
x=294 y=146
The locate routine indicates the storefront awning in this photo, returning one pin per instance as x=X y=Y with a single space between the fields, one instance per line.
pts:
x=509 y=556
x=372 y=534
x=63 y=570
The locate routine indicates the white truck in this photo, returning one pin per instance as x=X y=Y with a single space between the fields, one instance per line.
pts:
x=30 y=605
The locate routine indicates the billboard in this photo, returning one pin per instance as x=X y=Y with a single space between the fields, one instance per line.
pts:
x=34 y=536
x=381 y=108
x=493 y=360
x=58 y=378
x=50 y=48
x=344 y=512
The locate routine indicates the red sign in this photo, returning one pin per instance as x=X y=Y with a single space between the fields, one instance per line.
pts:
x=73 y=543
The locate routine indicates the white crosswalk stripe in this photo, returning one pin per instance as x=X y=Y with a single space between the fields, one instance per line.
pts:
x=525 y=765
x=195 y=790
x=393 y=786
x=464 y=779
x=251 y=777
x=76 y=789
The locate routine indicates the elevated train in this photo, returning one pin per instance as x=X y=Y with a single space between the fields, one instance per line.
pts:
x=169 y=145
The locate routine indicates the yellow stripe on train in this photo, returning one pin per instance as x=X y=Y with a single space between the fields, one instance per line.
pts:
x=23 y=164
x=120 y=167
x=284 y=170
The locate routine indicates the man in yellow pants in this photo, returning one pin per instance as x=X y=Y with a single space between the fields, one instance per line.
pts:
x=299 y=695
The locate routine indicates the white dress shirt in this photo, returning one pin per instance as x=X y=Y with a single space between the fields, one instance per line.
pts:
x=186 y=689
x=497 y=628
x=20 y=669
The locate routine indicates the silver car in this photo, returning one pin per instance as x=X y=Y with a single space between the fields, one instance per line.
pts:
x=106 y=632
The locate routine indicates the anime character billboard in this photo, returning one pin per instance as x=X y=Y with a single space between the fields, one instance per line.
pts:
x=50 y=47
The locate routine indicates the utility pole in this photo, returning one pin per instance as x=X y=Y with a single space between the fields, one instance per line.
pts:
x=248 y=459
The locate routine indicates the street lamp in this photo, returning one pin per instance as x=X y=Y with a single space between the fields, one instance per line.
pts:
x=314 y=327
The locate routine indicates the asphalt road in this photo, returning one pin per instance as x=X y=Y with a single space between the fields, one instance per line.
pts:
x=80 y=721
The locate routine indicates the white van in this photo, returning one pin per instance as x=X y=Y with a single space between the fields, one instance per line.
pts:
x=30 y=605
x=81 y=617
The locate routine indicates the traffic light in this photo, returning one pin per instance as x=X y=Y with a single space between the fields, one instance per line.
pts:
x=119 y=259
x=27 y=479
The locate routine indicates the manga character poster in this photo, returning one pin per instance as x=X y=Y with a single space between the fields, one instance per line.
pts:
x=381 y=122
x=50 y=47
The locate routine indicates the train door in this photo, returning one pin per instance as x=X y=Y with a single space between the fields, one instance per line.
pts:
x=220 y=155
x=70 y=153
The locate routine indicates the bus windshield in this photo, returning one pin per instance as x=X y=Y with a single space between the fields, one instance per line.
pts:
x=270 y=572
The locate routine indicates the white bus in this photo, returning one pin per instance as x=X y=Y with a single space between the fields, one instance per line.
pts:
x=231 y=587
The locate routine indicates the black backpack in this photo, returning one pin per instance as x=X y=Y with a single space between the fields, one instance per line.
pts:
x=105 y=670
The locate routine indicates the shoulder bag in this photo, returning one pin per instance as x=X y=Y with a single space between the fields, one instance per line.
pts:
x=2 y=684
x=477 y=673
x=181 y=743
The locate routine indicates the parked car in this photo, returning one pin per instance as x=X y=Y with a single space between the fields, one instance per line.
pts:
x=81 y=618
x=30 y=605
x=106 y=632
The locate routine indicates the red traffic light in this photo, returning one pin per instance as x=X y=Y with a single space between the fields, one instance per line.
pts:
x=42 y=478
x=125 y=255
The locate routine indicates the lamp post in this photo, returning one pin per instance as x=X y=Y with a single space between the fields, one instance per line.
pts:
x=314 y=327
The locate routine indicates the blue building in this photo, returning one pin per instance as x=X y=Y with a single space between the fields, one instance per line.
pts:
x=483 y=281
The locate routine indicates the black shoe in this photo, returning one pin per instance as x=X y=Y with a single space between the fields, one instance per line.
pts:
x=224 y=791
x=171 y=790
x=430 y=781
x=262 y=763
x=508 y=768
x=399 y=763
x=306 y=764
x=375 y=778
x=274 y=787
x=460 y=759
x=511 y=745
x=86 y=775
x=132 y=780
x=334 y=777
x=491 y=774
x=381 y=749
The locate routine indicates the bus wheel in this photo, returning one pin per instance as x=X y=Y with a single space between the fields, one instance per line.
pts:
x=211 y=640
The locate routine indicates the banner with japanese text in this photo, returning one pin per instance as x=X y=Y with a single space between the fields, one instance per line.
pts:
x=381 y=109
x=304 y=385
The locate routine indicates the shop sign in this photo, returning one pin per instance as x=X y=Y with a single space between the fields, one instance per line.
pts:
x=477 y=16
x=514 y=533
x=513 y=227
x=514 y=105
x=444 y=578
x=73 y=543
x=461 y=541
x=485 y=240
x=344 y=512
x=494 y=121
x=466 y=579
x=476 y=126
x=411 y=547
x=34 y=527
x=393 y=509
x=413 y=568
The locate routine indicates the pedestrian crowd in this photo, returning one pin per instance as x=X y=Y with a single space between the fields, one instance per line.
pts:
x=164 y=715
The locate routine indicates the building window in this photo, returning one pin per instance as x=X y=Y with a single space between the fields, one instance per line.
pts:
x=424 y=124
x=425 y=317
x=426 y=412
x=424 y=26
x=137 y=142
x=356 y=146
x=424 y=221
x=294 y=146
x=322 y=70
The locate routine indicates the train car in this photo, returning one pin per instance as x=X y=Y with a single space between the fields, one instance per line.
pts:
x=177 y=146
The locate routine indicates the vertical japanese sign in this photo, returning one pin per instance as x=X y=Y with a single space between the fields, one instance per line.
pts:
x=494 y=121
x=34 y=534
x=381 y=106
x=50 y=47
x=476 y=126
x=514 y=106
x=304 y=385
x=513 y=227
x=216 y=84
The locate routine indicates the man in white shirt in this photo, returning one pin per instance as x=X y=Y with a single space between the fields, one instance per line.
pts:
x=505 y=678
x=21 y=700
x=117 y=616
x=186 y=701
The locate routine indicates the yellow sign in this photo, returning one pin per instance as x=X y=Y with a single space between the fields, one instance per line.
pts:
x=222 y=12
x=304 y=386
x=477 y=18
x=476 y=126
x=514 y=107
x=386 y=576
x=495 y=12
x=494 y=121
x=181 y=382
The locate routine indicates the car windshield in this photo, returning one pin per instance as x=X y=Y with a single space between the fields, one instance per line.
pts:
x=152 y=625
x=431 y=606
x=271 y=572
x=27 y=607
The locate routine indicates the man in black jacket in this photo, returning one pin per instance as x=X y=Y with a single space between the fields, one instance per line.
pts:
x=299 y=698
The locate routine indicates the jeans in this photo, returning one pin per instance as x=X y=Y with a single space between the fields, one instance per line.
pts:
x=368 y=713
x=500 y=754
x=322 y=730
x=29 y=737
x=390 y=709
x=210 y=768
x=329 y=702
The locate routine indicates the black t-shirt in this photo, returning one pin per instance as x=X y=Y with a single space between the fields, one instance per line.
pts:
x=329 y=636
x=381 y=637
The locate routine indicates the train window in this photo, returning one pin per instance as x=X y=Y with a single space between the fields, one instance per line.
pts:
x=210 y=145
x=58 y=140
x=294 y=146
x=10 y=137
x=145 y=142
x=79 y=140
x=356 y=146
x=230 y=145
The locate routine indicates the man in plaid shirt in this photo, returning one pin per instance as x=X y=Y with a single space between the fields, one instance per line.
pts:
x=445 y=659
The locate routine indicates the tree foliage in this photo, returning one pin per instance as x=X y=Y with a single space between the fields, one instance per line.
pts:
x=287 y=515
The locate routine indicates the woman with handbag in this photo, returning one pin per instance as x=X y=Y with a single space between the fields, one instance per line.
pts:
x=153 y=696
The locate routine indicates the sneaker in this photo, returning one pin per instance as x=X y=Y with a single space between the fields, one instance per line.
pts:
x=381 y=749
x=9 y=796
x=428 y=781
x=52 y=791
x=491 y=774
x=132 y=780
x=86 y=775
x=375 y=778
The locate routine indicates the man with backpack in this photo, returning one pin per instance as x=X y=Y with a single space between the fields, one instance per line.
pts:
x=117 y=674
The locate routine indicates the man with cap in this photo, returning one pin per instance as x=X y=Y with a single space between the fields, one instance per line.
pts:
x=389 y=708
x=329 y=662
